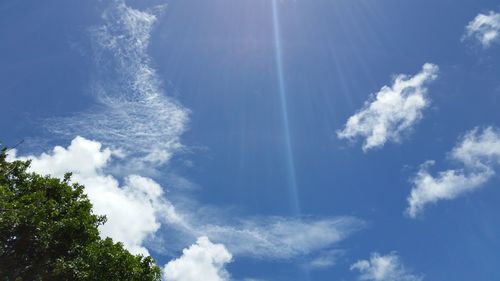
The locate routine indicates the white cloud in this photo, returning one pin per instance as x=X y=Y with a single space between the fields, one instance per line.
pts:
x=133 y=112
x=393 y=111
x=282 y=238
x=202 y=261
x=479 y=148
x=135 y=210
x=485 y=28
x=479 y=154
x=266 y=238
x=384 y=268
x=326 y=259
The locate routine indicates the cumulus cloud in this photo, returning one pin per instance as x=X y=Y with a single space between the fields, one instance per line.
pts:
x=132 y=110
x=384 y=268
x=478 y=152
x=392 y=111
x=134 y=210
x=485 y=28
x=201 y=261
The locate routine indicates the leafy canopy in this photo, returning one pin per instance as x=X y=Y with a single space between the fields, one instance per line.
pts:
x=48 y=232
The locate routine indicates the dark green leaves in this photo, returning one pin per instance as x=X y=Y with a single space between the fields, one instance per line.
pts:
x=48 y=232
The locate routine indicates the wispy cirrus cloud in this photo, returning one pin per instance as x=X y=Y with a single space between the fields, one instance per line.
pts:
x=384 y=268
x=391 y=112
x=485 y=28
x=478 y=152
x=325 y=259
x=274 y=239
x=134 y=120
x=132 y=111
x=282 y=238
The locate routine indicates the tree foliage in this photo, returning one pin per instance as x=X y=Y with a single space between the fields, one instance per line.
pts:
x=49 y=232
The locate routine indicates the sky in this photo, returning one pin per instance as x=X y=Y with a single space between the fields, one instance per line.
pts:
x=269 y=139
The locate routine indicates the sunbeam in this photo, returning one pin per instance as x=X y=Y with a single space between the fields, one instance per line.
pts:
x=292 y=181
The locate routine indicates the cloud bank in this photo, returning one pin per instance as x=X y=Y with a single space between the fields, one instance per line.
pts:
x=478 y=152
x=132 y=110
x=384 y=268
x=391 y=112
x=201 y=261
x=485 y=28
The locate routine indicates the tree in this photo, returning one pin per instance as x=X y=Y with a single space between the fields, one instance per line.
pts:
x=49 y=232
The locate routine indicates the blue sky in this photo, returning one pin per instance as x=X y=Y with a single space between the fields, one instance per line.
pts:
x=271 y=140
